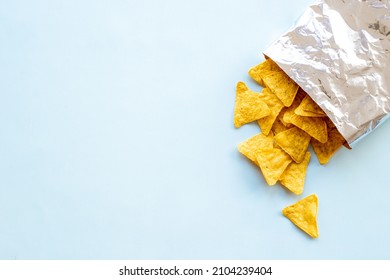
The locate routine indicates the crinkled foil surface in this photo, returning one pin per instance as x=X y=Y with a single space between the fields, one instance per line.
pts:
x=339 y=53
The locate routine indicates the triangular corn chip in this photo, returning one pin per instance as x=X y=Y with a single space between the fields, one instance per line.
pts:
x=249 y=106
x=294 y=142
x=281 y=85
x=346 y=145
x=278 y=126
x=308 y=108
x=281 y=114
x=329 y=124
x=257 y=72
x=325 y=151
x=304 y=214
x=301 y=112
x=275 y=105
x=251 y=147
x=315 y=127
x=289 y=111
x=293 y=178
x=272 y=163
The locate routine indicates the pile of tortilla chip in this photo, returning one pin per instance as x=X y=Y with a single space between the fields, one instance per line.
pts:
x=289 y=120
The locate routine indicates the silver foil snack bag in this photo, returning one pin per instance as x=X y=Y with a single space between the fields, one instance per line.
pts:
x=339 y=53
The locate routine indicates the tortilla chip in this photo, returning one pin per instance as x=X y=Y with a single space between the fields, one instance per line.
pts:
x=257 y=72
x=281 y=85
x=293 y=178
x=308 y=108
x=290 y=110
x=249 y=106
x=278 y=126
x=329 y=124
x=315 y=127
x=294 y=142
x=281 y=114
x=302 y=113
x=346 y=145
x=272 y=163
x=304 y=214
x=275 y=105
x=325 y=151
x=251 y=146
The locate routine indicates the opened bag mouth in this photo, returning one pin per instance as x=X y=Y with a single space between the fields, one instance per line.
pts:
x=339 y=54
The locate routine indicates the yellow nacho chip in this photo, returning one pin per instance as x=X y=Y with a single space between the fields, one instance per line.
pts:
x=308 y=108
x=281 y=115
x=304 y=214
x=346 y=145
x=293 y=178
x=272 y=163
x=289 y=121
x=257 y=72
x=329 y=124
x=315 y=127
x=294 y=142
x=281 y=85
x=303 y=113
x=275 y=106
x=278 y=126
x=325 y=151
x=250 y=147
x=289 y=111
x=249 y=106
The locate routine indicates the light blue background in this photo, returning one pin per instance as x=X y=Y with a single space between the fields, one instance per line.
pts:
x=117 y=139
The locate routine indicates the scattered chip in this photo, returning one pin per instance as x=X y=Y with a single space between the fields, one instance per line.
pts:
x=293 y=178
x=294 y=142
x=325 y=151
x=290 y=110
x=249 y=106
x=315 y=127
x=275 y=106
x=304 y=214
x=257 y=72
x=250 y=147
x=289 y=120
x=308 y=108
x=346 y=145
x=281 y=114
x=281 y=85
x=329 y=124
x=272 y=163
x=278 y=126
